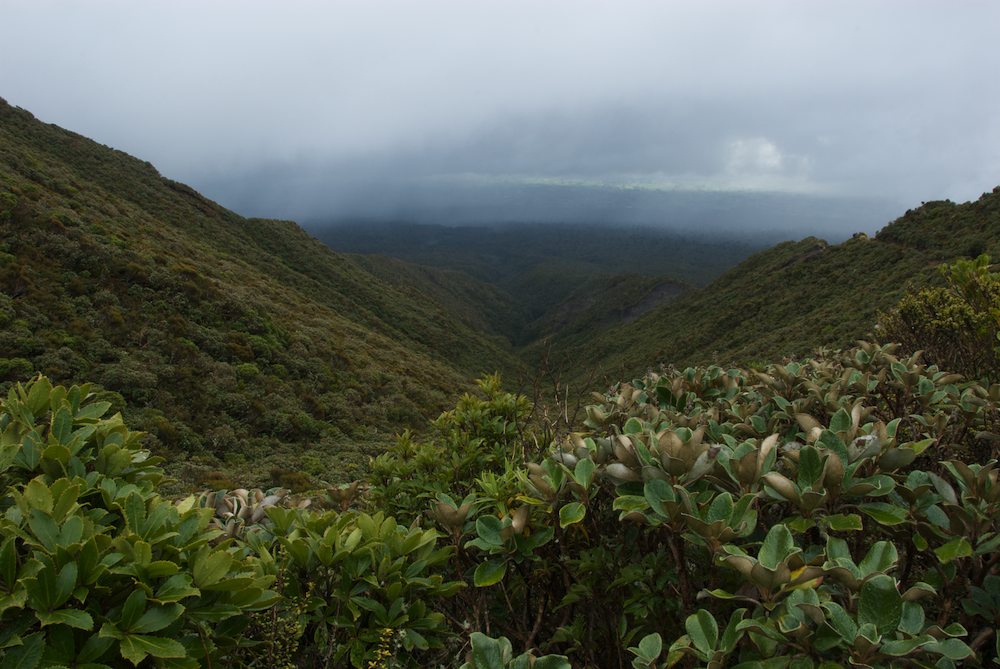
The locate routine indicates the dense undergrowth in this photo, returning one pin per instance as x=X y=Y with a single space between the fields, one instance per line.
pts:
x=838 y=511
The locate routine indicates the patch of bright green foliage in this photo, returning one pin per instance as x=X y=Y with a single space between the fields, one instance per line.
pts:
x=98 y=570
x=957 y=326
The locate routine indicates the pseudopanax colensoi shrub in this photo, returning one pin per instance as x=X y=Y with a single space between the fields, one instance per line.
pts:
x=839 y=511
x=96 y=569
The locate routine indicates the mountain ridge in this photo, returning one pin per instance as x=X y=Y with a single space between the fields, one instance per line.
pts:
x=796 y=297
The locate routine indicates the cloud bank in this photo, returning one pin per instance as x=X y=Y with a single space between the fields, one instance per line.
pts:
x=309 y=109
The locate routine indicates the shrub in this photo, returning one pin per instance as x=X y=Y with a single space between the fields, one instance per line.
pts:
x=352 y=582
x=838 y=511
x=957 y=326
x=96 y=567
x=483 y=433
x=842 y=509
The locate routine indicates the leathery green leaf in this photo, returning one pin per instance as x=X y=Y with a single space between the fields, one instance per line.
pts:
x=571 y=513
x=880 y=604
x=777 y=547
x=703 y=631
x=953 y=550
x=489 y=573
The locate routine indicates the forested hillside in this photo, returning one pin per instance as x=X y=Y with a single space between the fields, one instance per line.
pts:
x=586 y=302
x=226 y=338
x=793 y=298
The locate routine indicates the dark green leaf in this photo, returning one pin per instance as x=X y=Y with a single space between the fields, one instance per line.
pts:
x=27 y=655
x=490 y=573
x=953 y=550
x=703 y=632
x=156 y=618
x=552 y=662
x=880 y=558
x=490 y=653
x=488 y=528
x=135 y=647
x=650 y=647
x=841 y=421
x=777 y=547
x=210 y=567
x=885 y=514
x=880 y=604
x=72 y=617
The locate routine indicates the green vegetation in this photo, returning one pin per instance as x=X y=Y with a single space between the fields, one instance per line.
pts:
x=95 y=567
x=610 y=303
x=810 y=510
x=957 y=326
x=830 y=511
x=794 y=298
x=239 y=346
x=553 y=275
x=834 y=512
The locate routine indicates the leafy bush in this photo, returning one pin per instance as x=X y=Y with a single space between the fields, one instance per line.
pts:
x=490 y=653
x=482 y=434
x=839 y=510
x=95 y=567
x=347 y=578
x=957 y=326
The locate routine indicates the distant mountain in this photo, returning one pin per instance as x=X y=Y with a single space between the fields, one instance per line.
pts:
x=231 y=340
x=310 y=195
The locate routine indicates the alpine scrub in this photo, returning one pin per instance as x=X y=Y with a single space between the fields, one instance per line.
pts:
x=838 y=511
x=98 y=570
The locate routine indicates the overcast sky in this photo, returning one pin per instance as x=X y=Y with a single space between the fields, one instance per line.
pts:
x=296 y=108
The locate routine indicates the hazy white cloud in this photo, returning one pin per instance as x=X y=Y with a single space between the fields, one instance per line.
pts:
x=755 y=154
x=309 y=101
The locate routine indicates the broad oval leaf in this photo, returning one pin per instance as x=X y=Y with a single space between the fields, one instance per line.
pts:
x=703 y=631
x=777 y=547
x=571 y=513
x=880 y=604
x=489 y=573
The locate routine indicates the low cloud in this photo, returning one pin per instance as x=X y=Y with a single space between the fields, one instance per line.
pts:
x=308 y=109
x=753 y=156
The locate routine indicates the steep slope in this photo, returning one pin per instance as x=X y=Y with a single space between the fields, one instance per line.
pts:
x=795 y=297
x=599 y=303
x=254 y=342
x=481 y=306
